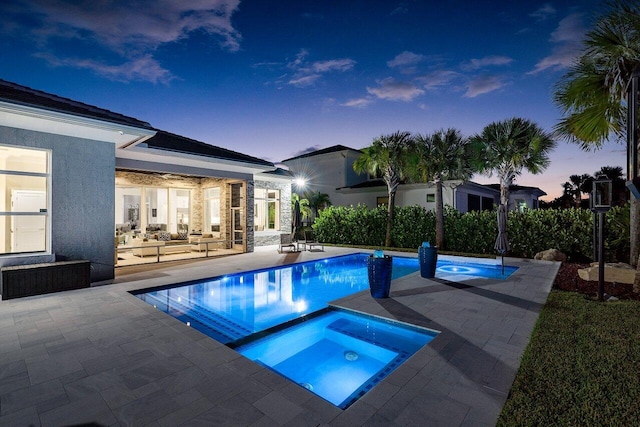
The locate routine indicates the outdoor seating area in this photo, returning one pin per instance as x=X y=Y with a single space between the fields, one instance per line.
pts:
x=306 y=241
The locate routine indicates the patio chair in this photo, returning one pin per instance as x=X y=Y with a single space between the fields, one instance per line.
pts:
x=311 y=242
x=287 y=242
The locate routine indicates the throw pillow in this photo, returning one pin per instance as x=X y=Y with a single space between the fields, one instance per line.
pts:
x=182 y=235
x=164 y=236
x=175 y=236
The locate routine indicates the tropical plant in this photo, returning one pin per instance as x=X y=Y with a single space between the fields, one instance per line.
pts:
x=580 y=184
x=305 y=209
x=593 y=93
x=388 y=156
x=438 y=157
x=317 y=201
x=508 y=147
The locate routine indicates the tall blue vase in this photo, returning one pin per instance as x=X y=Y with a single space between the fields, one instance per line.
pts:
x=428 y=257
x=379 y=270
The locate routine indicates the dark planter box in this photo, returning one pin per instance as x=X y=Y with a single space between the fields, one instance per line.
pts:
x=379 y=270
x=36 y=279
x=428 y=257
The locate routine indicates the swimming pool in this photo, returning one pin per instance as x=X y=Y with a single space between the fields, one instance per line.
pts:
x=338 y=355
x=230 y=308
x=279 y=318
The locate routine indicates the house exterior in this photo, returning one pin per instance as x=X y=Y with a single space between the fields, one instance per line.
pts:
x=464 y=196
x=70 y=172
x=327 y=170
x=522 y=197
x=330 y=171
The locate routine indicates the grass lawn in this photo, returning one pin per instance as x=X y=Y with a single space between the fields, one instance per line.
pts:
x=581 y=367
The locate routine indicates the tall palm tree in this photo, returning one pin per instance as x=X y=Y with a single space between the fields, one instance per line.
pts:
x=387 y=156
x=317 y=201
x=580 y=184
x=438 y=157
x=592 y=94
x=508 y=147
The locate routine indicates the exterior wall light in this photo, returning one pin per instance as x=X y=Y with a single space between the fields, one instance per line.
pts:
x=602 y=194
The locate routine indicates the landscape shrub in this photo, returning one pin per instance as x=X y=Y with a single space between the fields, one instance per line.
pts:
x=532 y=231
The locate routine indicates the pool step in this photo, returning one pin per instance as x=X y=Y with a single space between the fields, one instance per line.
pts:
x=204 y=320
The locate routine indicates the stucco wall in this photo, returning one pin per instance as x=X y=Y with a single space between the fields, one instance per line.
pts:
x=82 y=199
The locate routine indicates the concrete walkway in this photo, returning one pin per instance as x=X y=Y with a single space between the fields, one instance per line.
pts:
x=103 y=356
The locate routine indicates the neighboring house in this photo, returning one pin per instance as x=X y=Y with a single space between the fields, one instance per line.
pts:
x=69 y=172
x=522 y=197
x=326 y=170
x=464 y=196
x=330 y=171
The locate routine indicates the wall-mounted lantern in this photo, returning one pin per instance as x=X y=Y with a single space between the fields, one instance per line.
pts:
x=602 y=194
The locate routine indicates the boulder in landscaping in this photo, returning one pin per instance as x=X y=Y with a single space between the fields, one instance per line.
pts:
x=551 y=255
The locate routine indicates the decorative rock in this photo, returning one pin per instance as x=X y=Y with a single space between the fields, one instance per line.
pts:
x=613 y=272
x=551 y=255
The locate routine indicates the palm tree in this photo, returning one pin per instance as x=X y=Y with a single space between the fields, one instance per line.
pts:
x=305 y=209
x=388 y=156
x=580 y=184
x=509 y=147
x=592 y=95
x=317 y=201
x=441 y=156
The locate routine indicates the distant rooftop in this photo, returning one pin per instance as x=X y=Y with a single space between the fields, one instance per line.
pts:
x=171 y=142
x=515 y=187
x=23 y=95
x=334 y=149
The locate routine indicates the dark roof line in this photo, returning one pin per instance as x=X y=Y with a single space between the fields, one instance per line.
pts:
x=167 y=141
x=333 y=149
x=515 y=187
x=27 y=96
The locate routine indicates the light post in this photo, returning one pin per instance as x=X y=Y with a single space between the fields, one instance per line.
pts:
x=601 y=203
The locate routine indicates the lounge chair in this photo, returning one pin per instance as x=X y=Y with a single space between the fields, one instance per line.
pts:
x=311 y=242
x=287 y=242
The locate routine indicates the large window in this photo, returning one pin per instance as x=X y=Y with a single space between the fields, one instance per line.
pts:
x=146 y=209
x=24 y=200
x=212 y=209
x=267 y=209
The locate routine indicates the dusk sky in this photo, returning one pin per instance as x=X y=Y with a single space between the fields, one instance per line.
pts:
x=275 y=79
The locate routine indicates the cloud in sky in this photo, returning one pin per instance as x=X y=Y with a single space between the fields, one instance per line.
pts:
x=545 y=12
x=567 y=39
x=405 y=58
x=437 y=78
x=358 y=102
x=483 y=84
x=144 y=68
x=111 y=25
x=306 y=73
x=493 y=60
x=394 y=90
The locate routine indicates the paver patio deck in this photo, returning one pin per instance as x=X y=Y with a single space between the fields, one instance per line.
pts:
x=103 y=356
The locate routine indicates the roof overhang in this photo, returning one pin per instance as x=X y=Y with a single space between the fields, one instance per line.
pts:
x=57 y=123
x=146 y=154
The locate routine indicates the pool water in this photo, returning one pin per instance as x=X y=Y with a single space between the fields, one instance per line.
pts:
x=233 y=307
x=338 y=355
x=279 y=318
x=454 y=270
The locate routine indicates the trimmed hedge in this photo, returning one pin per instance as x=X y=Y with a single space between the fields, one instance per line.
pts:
x=569 y=230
